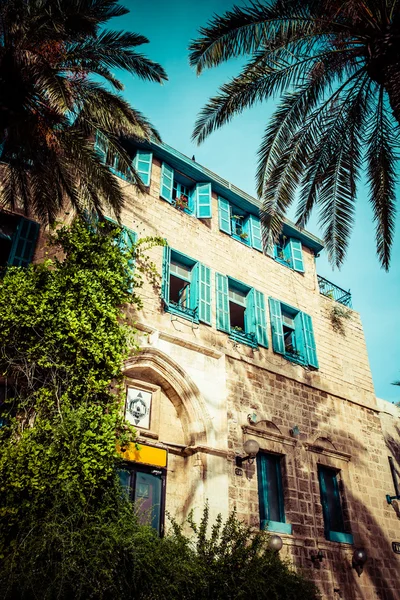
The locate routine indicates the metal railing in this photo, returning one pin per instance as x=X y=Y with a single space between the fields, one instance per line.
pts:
x=330 y=290
x=244 y=338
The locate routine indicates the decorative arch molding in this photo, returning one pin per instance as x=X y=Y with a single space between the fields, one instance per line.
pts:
x=151 y=365
x=324 y=442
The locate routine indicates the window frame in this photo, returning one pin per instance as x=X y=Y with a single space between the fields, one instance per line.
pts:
x=305 y=353
x=133 y=469
x=264 y=500
x=289 y=248
x=251 y=224
x=344 y=537
x=199 y=292
x=197 y=192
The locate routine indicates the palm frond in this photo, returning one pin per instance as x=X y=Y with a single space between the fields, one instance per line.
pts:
x=382 y=158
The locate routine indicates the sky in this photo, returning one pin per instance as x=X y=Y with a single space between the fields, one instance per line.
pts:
x=231 y=152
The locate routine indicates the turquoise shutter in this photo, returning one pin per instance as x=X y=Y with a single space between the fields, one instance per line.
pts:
x=165 y=274
x=255 y=233
x=204 y=293
x=23 y=243
x=203 y=200
x=222 y=298
x=287 y=254
x=309 y=341
x=142 y=163
x=224 y=211
x=127 y=240
x=299 y=336
x=260 y=320
x=296 y=253
x=167 y=182
x=192 y=200
x=100 y=146
x=324 y=501
x=262 y=490
x=276 y=326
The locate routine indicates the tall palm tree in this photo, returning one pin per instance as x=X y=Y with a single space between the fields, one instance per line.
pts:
x=57 y=91
x=336 y=65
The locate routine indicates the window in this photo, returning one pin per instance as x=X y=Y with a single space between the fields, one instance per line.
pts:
x=18 y=238
x=241 y=312
x=146 y=487
x=292 y=334
x=176 y=188
x=242 y=226
x=289 y=252
x=142 y=161
x=186 y=287
x=332 y=506
x=270 y=493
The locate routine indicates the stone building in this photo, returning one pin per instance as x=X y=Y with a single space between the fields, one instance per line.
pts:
x=243 y=342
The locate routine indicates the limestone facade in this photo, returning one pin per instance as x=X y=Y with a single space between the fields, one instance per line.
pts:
x=206 y=385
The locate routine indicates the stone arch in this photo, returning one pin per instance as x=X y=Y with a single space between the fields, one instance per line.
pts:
x=324 y=442
x=154 y=366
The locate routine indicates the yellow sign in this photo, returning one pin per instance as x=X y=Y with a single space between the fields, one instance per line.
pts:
x=148 y=455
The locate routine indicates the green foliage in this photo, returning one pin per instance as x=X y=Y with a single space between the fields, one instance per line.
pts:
x=338 y=314
x=331 y=63
x=63 y=341
x=106 y=555
x=58 y=91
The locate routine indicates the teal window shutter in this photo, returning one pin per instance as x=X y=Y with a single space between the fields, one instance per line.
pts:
x=142 y=163
x=224 y=211
x=332 y=506
x=204 y=293
x=165 y=274
x=309 y=341
x=101 y=146
x=192 y=200
x=296 y=253
x=270 y=489
x=260 y=320
x=23 y=243
x=255 y=233
x=222 y=298
x=167 y=182
x=276 y=326
x=203 y=197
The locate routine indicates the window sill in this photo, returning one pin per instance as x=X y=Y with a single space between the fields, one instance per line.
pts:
x=249 y=339
x=277 y=527
x=283 y=262
x=342 y=538
x=294 y=358
x=186 y=313
x=241 y=240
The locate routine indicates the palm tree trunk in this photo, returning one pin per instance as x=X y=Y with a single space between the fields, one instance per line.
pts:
x=391 y=83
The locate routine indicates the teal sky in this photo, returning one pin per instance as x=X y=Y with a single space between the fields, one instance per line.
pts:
x=231 y=152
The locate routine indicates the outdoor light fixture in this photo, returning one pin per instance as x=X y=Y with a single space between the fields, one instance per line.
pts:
x=275 y=543
x=251 y=448
x=319 y=556
x=358 y=561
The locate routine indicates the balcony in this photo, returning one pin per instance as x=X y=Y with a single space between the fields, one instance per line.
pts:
x=330 y=290
x=239 y=336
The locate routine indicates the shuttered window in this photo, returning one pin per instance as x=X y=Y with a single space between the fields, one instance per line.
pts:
x=270 y=493
x=142 y=163
x=191 y=197
x=242 y=226
x=18 y=237
x=289 y=252
x=332 y=506
x=186 y=287
x=292 y=334
x=241 y=311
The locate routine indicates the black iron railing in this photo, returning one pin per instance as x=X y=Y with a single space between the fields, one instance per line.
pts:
x=330 y=290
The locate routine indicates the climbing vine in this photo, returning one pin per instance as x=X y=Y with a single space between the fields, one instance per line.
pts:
x=63 y=340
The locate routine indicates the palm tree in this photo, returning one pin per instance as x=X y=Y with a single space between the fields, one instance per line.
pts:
x=336 y=65
x=57 y=91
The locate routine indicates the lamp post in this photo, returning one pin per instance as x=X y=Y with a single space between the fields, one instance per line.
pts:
x=275 y=543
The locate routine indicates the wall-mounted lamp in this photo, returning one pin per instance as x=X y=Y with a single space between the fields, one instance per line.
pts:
x=275 y=543
x=358 y=561
x=252 y=418
x=319 y=556
x=295 y=431
x=251 y=448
